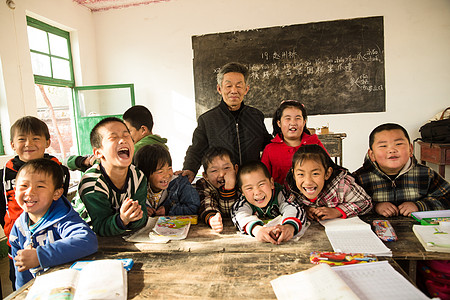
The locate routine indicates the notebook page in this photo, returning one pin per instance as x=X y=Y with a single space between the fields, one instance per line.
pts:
x=378 y=280
x=354 y=236
x=316 y=283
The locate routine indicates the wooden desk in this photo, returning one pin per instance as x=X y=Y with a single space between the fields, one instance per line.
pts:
x=333 y=144
x=435 y=153
x=208 y=265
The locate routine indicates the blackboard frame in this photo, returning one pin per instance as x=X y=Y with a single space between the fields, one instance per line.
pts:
x=333 y=67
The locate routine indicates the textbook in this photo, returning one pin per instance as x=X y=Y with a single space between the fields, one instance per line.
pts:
x=433 y=238
x=99 y=279
x=352 y=235
x=424 y=217
x=375 y=280
x=170 y=228
x=162 y=230
x=79 y=265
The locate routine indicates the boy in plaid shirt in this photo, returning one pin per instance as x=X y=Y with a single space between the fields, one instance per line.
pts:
x=217 y=189
x=391 y=175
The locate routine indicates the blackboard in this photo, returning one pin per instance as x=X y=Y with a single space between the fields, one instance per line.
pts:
x=333 y=67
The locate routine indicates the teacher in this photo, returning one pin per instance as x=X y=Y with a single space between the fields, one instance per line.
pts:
x=231 y=125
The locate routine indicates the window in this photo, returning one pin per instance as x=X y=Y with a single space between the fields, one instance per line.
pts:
x=2 y=150
x=51 y=61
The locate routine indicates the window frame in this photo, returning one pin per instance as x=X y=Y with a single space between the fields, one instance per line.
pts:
x=45 y=80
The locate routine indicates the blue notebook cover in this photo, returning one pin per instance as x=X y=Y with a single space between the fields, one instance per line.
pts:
x=79 y=265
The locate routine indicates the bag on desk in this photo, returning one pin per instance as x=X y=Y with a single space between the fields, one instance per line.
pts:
x=436 y=131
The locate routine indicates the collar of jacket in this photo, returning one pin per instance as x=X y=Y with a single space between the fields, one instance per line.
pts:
x=372 y=166
x=224 y=107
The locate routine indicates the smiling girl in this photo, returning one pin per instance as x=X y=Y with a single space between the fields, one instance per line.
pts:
x=167 y=195
x=327 y=190
x=290 y=133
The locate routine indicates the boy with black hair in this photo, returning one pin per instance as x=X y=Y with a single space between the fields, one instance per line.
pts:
x=49 y=232
x=263 y=199
x=139 y=121
x=217 y=189
x=113 y=190
x=391 y=175
x=29 y=139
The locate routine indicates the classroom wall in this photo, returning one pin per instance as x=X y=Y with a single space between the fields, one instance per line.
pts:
x=150 y=46
x=17 y=95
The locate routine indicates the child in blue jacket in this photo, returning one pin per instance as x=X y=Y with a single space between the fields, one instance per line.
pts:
x=167 y=195
x=49 y=232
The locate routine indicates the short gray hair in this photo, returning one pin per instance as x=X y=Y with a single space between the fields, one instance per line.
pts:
x=232 y=67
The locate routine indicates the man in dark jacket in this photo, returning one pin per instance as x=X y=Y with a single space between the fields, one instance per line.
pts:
x=232 y=124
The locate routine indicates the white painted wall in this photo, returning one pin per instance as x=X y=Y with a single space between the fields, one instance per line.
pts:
x=150 y=46
x=17 y=96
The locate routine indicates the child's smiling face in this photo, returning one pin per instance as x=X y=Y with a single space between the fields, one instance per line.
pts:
x=257 y=188
x=217 y=170
x=29 y=146
x=117 y=146
x=292 y=123
x=391 y=150
x=310 y=177
x=160 y=179
x=35 y=192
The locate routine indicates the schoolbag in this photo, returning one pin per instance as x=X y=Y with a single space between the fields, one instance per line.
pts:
x=436 y=131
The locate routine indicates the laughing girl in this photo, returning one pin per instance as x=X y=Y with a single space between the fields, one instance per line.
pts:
x=327 y=190
x=290 y=133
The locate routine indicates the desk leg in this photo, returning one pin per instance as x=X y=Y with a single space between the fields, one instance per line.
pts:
x=412 y=270
x=442 y=170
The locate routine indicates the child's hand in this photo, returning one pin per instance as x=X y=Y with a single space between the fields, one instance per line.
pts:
x=326 y=213
x=286 y=233
x=26 y=259
x=151 y=212
x=310 y=212
x=216 y=222
x=190 y=175
x=266 y=234
x=130 y=211
x=89 y=161
x=161 y=211
x=406 y=208
x=386 y=209
x=230 y=179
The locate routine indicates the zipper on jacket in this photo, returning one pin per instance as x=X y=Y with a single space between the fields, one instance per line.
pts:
x=394 y=190
x=239 y=143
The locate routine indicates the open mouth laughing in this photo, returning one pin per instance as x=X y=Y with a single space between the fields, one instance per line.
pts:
x=124 y=153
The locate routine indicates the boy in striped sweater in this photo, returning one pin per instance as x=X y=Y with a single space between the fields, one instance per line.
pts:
x=263 y=199
x=113 y=191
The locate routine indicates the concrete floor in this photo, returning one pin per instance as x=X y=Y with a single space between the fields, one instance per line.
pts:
x=4 y=272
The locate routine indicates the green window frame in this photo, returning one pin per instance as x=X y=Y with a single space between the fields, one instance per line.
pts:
x=52 y=80
x=2 y=149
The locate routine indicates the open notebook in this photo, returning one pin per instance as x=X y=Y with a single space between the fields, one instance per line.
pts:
x=376 y=280
x=352 y=235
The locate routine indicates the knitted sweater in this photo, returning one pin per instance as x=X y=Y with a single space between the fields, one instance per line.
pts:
x=102 y=199
x=246 y=215
x=214 y=200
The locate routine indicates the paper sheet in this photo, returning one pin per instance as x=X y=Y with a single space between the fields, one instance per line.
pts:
x=352 y=235
x=378 y=280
